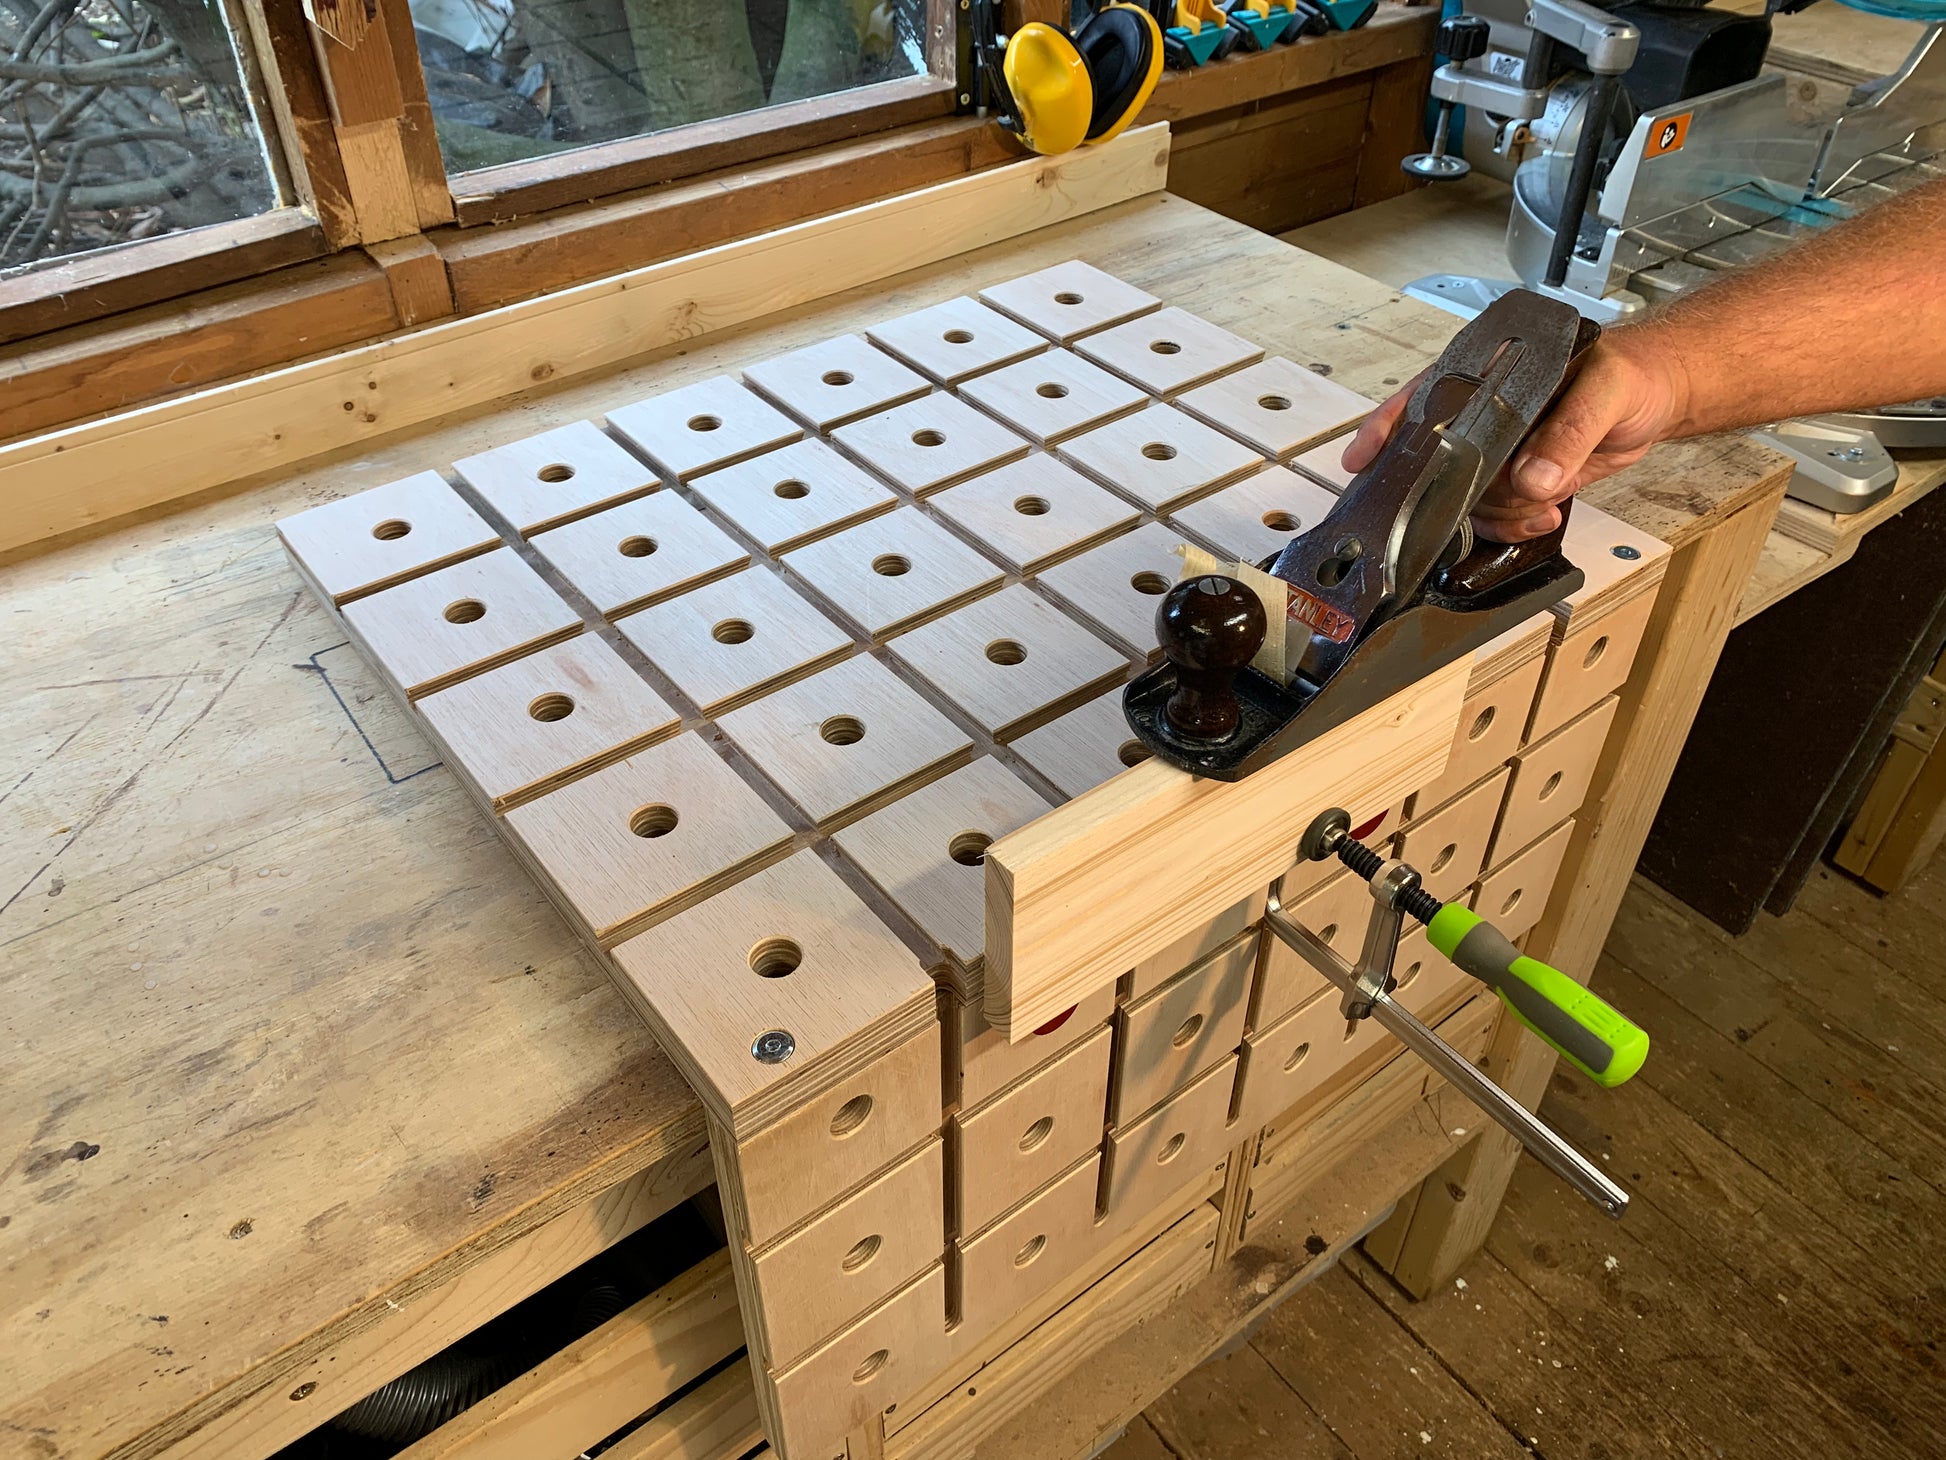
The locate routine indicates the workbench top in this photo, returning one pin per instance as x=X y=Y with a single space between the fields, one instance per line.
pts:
x=292 y=1040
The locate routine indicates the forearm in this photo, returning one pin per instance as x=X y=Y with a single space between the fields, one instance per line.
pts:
x=1853 y=318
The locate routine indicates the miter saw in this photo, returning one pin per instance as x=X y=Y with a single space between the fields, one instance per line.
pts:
x=1647 y=150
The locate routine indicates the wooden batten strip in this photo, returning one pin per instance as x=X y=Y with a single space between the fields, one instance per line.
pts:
x=79 y=477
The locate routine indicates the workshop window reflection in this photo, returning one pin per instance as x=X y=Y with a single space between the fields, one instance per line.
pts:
x=515 y=79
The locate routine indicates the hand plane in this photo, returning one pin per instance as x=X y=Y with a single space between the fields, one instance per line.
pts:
x=1390 y=586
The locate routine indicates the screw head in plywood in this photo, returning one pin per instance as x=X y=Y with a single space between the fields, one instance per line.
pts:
x=795 y=494
x=846 y=740
x=1160 y=457
x=892 y=572
x=1119 y=584
x=641 y=552
x=1277 y=406
x=1011 y=659
x=1169 y=351
x=556 y=476
x=703 y=426
x=1255 y=518
x=1084 y=747
x=1053 y=395
x=646 y=836
x=522 y=729
x=955 y=340
x=1069 y=300
x=930 y=443
x=371 y=540
x=737 y=638
x=1034 y=511
x=835 y=381
x=436 y=630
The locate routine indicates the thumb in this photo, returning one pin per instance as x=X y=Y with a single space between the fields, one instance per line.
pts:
x=1551 y=460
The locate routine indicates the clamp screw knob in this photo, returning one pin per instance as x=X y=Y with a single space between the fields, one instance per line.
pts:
x=1462 y=37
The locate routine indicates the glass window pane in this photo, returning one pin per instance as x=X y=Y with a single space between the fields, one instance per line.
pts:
x=121 y=120
x=511 y=79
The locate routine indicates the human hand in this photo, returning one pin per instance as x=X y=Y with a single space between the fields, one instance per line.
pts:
x=1628 y=396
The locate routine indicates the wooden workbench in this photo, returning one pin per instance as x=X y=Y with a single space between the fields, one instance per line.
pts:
x=308 y=1077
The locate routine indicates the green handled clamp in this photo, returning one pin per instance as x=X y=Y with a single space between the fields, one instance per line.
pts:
x=1580 y=1026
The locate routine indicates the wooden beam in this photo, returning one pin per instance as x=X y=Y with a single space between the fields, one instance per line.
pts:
x=416 y=275
x=1395 y=126
x=280 y=38
x=85 y=475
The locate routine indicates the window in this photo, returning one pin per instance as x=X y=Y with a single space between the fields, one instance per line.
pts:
x=122 y=120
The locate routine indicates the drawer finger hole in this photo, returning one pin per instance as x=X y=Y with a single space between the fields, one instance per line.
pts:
x=1297 y=1056
x=1032 y=1248
x=862 y=1252
x=1411 y=972
x=1035 y=1136
x=874 y=1361
x=1171 y=1148
x=1595 y=651
x=1482 y=723
x=852 y=1116
x=1189 y=1030
x=1550 y=786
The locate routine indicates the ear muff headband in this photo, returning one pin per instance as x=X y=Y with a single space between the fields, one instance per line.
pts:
x=1053 y=97
x=1122 y=48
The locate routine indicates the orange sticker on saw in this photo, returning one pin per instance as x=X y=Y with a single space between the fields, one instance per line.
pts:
x=1320 y=617
x=1667 y=135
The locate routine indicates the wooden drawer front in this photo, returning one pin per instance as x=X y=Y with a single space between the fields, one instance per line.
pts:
x=1427 y=980
x=820 y=1277
x=1338 y=913
x=1550 y=779
x=988 y=1064
x=1492 y=725
x=1297 y=1055
x=1028 y=1251
x=862 y=1124
x=1034 y=1131
x=1593 y=660
x=1166 y=1149
x=1180 y=1030
x=1188 y=951
x=1449 y=846
x=850 y=1379
x=1513 y=896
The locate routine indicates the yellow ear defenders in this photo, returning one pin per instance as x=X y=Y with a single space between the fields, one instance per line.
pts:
x=1057 y=92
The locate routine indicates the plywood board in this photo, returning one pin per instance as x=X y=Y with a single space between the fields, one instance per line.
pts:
x=1034 y=511
x=930 y=442
x=892 y=572
x=1550 y=779
x=371 y=540
x=1092 y=888
x=1015 y=1144
x=1618 y=561
x=1084 y=747
x=556 y=476
x=1294 y=1057
x=1325 y=463
x=790 y=949
x=1029 y=1250
x=846 y=740
x=702 y=427
x=956 y=339
x=835 y=381
x=1167 y=1038
x=646 y=836
x=1068 y=300
x=1277 y=406
x=1119 y=584
x=1220 y=936
x=1170 y=1147
x=1593 y=660
x=735 y=639
x=1161 y=457
x=794 y=494
x=1339 y=911
x=1490 y=731
x=436 y=630
x=988 y=1064
x=1448 y=847
x=527 y=727
x=1052 y=396
x=1010 y=660
x=640 y=552
x=927 y=851
x=1514 y=895
x=1169 y=351
x=1255 y=518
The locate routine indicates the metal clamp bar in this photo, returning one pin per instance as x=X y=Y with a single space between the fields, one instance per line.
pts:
x=1552 y=1151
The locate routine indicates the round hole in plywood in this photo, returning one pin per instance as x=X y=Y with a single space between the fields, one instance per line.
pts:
x=1150 y=582
x=1165 y=347
x=1327 y=932
x=1274 y=402
x=852 y=1115
x=1051 y=390
x=891 y=565
x=637 y=546
x=928 y=437
x=556 y=471
x=1171 y=1149
x=1067 y=296
x=655 y=819
x=958 y=337
x=391 y=530
x=1297 y=1056
x=836 y=377
x=465 y=611
x=1187 y=1031
x=874 y=1361
x=1446 y=855
x=1132 y=752
x=705 y=423
x=1158 y=451
x=733 y=631
x=1595 y=651
x=1035 y=1136
x=1006 y=652
x=1512 y=902
x=1481 y=723
x=969 y=848
x=862 y=1252
x=792 y=490
x=842 y=730
x=548 y=708
x=1278 y=520
x=1411 y=972
x=1032 y=1248
x=1032 y=506
x=1550 y=785
x=775 y=957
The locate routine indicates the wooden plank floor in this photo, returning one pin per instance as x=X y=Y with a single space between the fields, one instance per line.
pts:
x=1778 y=1288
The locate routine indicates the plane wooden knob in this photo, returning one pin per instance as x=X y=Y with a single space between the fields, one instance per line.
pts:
x=1209 y=627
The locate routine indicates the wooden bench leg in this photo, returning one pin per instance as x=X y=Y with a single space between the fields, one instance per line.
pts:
x=1694 y=612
